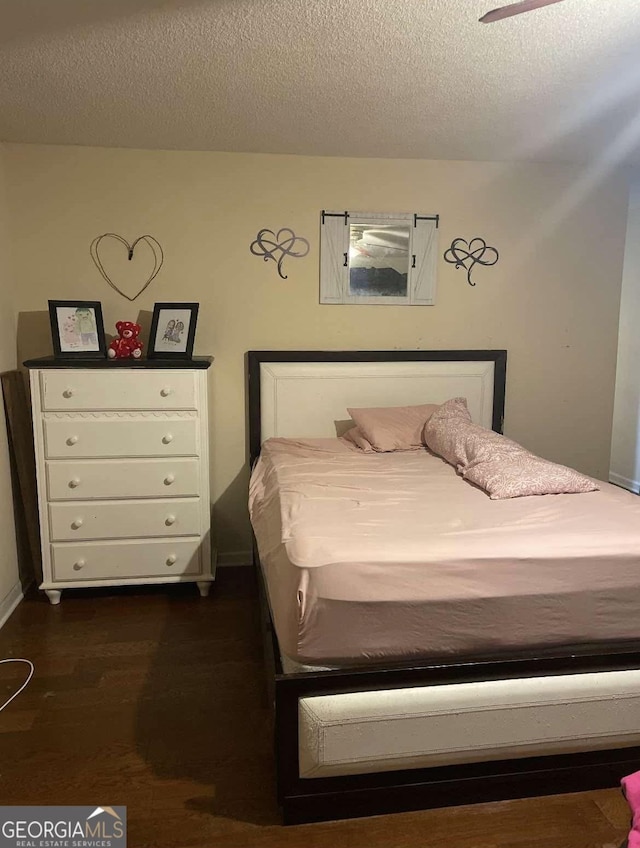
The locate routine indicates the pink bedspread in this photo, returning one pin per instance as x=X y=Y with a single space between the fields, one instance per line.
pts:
x=371 y=557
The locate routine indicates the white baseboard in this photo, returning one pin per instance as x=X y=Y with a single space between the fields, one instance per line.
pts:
x=625 y=482
x=235 y=558
x=10 y=602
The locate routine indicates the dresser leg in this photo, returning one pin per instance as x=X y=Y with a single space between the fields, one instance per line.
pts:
x=54 y=595
x=203 y=587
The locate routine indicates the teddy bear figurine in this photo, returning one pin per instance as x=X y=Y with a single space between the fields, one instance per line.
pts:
x=127 y=345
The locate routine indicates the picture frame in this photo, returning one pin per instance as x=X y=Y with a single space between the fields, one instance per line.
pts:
x=173 y=330
x=77 y=329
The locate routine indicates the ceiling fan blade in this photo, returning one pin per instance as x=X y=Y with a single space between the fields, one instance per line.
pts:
x=515 y=9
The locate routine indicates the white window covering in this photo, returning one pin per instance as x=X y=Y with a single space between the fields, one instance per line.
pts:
x=334 y=262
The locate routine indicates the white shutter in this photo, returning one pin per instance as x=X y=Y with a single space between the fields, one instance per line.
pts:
x=334 y=243
x=425 y=249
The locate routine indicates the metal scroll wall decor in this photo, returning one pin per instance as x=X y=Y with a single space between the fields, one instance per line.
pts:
x=277 y=246
x=468 y=254
x=150 y=241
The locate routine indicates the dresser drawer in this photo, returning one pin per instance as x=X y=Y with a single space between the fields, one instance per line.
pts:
x=119 y=437
x=123 y=519
x=168 y=558
x=73 y=389
x=142 y=478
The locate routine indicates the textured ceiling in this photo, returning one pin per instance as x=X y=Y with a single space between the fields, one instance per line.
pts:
x=392 y=78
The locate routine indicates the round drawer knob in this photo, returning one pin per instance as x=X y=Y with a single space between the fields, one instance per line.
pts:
x=169 y=520
x=67 y=393
x=165 y=392
x=169 y=479
x=72 y=440
x=78 y=566
x=167 y=439
x=74 y=483
x=172 y=559
x=77 y=523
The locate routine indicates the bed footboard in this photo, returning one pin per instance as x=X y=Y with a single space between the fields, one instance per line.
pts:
x=365 y=743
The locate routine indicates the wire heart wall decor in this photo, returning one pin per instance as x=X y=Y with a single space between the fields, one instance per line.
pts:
x=156 y=250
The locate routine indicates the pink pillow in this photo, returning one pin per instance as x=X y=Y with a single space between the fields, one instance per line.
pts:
x=454 y=408
x=500 y=466
x=523 y=474
x=391 y=428
x=452 y=435
x=356 y=438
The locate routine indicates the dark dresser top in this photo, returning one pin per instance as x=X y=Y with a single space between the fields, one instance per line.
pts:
x=197 y=362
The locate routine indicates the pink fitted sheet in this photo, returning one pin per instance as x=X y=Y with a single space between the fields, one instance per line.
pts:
x=385 y=557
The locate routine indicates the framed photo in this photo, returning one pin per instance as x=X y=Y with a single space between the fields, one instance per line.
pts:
x=173 y=330
x=77 y=329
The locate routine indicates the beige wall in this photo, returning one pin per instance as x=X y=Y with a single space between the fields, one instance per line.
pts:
x=552 y=300
x=625 y=442
x=9 y=582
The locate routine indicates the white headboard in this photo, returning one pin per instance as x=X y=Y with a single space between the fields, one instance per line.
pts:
x=306 y=393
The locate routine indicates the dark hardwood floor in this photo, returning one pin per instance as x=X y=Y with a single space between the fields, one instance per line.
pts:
x=153 y=698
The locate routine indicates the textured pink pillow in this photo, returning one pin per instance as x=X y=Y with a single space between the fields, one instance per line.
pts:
x=523 y=474
x=454 y=408
x=500 y=466
x=452 y=435
x=391 y=428
x=356 y=438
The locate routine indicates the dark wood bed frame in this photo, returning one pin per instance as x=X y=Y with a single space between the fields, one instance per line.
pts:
x=321 y=799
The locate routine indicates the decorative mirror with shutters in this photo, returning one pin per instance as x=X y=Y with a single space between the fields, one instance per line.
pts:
x=378 y=258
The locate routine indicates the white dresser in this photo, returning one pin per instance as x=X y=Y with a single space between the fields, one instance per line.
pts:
x=122 y=458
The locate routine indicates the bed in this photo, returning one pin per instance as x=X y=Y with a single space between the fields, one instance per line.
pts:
x=381 y=705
